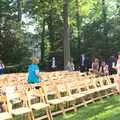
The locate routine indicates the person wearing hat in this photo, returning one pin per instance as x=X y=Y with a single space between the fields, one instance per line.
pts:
x=33 y=72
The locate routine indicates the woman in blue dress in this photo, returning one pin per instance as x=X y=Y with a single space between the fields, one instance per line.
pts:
x=33 y=72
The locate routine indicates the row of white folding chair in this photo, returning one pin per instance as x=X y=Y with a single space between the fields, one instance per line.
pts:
x=21 y=100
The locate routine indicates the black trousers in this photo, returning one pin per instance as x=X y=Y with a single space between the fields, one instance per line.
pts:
x=82 y=68
x=36 y=87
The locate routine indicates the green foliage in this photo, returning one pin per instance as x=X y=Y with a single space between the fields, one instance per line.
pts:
x=99 y=28
x=94 y=28
x=12 y=46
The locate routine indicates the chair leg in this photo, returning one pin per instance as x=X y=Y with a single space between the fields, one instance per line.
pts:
x=62 y=108
x=85 y=104
x=100 y=96
x=75 y=110
x=92 y=98
x=106 y=92
x=31 y=116
x=49 y=114
x=28 y=116
x=25 y=116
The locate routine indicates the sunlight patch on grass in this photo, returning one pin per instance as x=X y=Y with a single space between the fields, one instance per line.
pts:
x=108 y=109
x=69 y=115
x=106 y=115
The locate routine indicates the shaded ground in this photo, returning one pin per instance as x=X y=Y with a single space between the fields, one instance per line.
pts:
x=108 y=109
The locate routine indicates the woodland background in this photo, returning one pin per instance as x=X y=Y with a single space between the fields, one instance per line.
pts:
x=60 y=28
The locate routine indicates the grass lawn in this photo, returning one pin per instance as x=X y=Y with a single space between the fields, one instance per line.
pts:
x=108 y=109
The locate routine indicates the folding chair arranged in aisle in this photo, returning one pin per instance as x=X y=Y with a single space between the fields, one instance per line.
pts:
x=64 y=95
x=52 y=98
x=37 y=102
x=18 y=105
x=4 y=113
x=74 y=91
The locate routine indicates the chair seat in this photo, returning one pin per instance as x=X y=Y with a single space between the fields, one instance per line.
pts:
x=91 y=91
x=87 y=92
x=15 y=101
x=31 y=97
x=5 y=116
x=55 y=101
x=102 y=88
x=20 y=111
x=78 y=95
x=39 y=106
x=51 y=93
x=106 y=87
x=68 y=98
x=112 y=85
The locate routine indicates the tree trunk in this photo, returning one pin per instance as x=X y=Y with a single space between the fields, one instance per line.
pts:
x=42 y=42
x=118 y=7
x=78 y=24
x=104 y=17
x=51 y=27
x=66 y=34
x=51 y=31
x=19 y=10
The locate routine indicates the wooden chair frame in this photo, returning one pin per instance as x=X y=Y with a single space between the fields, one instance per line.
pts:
x=5 y=115
x=40 y=105
x=24 y=110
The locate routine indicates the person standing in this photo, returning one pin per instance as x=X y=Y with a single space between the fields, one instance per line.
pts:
x=33 y=72
x=117 y=67
x=70 y=66
x=95 y=66
x=2 y=67
x=111 y=61
x=83 y=63
x=53 y=66
x=104 y=71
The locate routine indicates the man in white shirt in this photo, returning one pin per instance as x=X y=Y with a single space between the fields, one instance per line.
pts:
x=83 y=63
x=53 y=66
x=2 y=67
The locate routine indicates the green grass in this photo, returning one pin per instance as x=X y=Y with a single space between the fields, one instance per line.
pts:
x=108 y=109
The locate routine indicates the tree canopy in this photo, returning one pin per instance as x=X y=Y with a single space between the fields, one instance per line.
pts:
x=32 y=27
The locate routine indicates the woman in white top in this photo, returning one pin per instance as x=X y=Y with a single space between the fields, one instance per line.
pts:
x=117 y=67
x=70 y=66
x=95 y=66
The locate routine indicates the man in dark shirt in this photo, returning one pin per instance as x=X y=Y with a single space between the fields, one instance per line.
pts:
x=111 y=61
x=83 y=63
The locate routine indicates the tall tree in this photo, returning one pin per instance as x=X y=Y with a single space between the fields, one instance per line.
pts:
x=78 y=23
x=19 y=3
x=42 y=41
x=104 y=16
x=66 y=34
x=105 y=25
x=11 y=41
